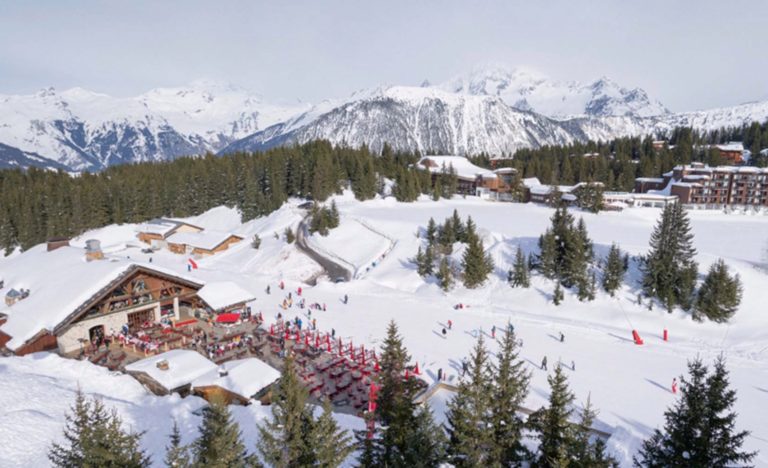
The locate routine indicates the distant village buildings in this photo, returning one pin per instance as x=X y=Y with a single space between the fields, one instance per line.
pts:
x=183 y=238
x=699 y=186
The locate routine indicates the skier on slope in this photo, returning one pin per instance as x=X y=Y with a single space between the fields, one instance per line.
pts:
x=674 y=385
x=493 y=332
x=562 y=337
x=450 y=324
x=544 y=363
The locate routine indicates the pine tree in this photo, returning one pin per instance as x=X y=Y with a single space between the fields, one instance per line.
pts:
x=477 y=265
x=431 y=232
x=330 y=444
x=510 y=387
x=551 y=423
x=719 y=296
x=94 y=437
x=427 y=445
x=613 y=275
x=669 y=270
x=219 y=443
x=471 y=440
x=445 y=275
x=392 y=389
x=401 y=433
x=285 y=439
x=587 y=287
x=699 y=428
x=419 y=262
x=447 y=236
x=548 y=256
x=289 y=236
x=459 y=231
x=584 y=453
x=176 y=455
x=437 y=190
x=722 y=441
x=333 y=216
x=557 y=296
x=520 y=276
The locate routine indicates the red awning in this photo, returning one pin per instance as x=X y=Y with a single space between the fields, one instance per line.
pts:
x=228 y=318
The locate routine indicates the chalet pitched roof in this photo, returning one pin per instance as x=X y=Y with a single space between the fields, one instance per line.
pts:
x=463 y=167
x=244 y=377
x=163 y=226
x=221 y=294
x=207 y=240
x=183 y=367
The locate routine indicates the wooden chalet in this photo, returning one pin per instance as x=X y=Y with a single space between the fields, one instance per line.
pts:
x=170 y=372
x=156 y=231
x=201 y=244
x=76 y=302
x=237 y=382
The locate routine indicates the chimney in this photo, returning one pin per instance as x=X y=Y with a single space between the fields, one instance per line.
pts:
x=57 y=242
x=162 y=364
x=223 y=372
x=93 y=250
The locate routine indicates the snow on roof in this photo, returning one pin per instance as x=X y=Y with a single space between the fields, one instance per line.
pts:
x=505 y=170
x=157 y=226
x=697 y=177
x=685 y=184
x=531 y=181
x=540 y=189
x=184 y=366
x=221 y=294
x=731 y=146
x=650 y=179
x=245 y=377
x=59 y=282
x=207 y=240
x=461 y=165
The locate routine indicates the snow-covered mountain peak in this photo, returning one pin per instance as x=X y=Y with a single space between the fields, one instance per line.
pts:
x=494 y=79
x=531 y=90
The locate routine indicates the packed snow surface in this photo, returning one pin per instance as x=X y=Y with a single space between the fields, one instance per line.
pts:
x=629 y=384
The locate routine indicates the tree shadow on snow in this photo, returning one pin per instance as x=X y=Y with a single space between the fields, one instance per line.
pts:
x=653 y=382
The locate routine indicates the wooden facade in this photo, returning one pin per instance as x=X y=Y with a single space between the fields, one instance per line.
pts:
x=137 y=295
x=43 y=341
x=183 y=249
x=215 y=393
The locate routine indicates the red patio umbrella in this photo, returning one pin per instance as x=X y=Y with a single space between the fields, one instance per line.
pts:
x=228 y=318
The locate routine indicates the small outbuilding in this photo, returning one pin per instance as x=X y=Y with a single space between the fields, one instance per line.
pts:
x=170 y=372
x=238 y=381
x=201 y=243
x=225 y=297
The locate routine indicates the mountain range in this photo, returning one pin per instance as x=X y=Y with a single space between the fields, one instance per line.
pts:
x=493 y=110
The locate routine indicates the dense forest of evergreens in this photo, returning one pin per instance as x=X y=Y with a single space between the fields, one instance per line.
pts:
x=618 y=162
x=37 y=204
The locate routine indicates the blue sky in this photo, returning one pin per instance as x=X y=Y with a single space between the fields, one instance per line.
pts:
x=688 y=54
